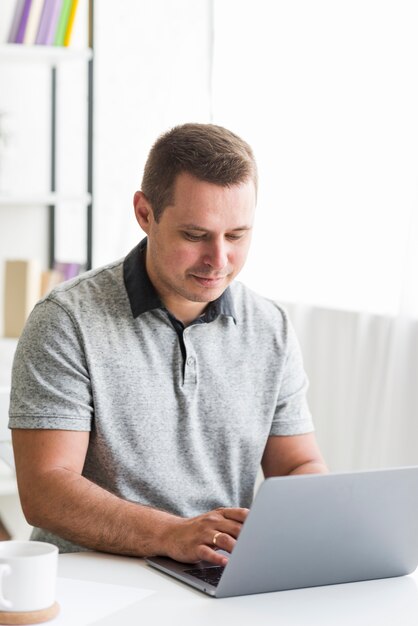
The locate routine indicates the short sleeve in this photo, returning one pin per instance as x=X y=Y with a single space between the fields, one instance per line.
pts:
x=50 y=380
x=292 y=415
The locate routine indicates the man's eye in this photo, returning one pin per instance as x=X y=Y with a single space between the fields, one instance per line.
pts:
x=192 y=237
x=234 y=237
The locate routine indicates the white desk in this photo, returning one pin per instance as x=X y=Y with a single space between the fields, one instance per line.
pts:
x=165 y=601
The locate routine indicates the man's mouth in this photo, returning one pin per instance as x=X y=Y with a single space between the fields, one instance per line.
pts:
x=208 y=281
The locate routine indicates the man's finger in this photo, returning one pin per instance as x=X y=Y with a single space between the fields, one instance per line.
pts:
x=210 y=555
x=239 y=515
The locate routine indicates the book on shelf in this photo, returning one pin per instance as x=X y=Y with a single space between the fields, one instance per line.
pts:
x=49 y=280
x=21 y=293
x=23 y=21
x=68 y=269
x=25 y=284
x=70 y=23
x=7 y=19
x=62 y=22
x=33 y=22
x=48 y=24
x=40 y=22
x=17 y=14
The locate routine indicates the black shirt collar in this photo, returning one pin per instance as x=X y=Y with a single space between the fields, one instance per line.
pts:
x=143 y=296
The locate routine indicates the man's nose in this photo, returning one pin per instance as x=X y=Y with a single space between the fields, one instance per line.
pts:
x=217 y=255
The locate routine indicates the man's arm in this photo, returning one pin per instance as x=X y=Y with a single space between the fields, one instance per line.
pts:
x=295 y=454
x=56 y=497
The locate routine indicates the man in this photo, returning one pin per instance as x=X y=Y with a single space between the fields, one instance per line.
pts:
x=146 y=393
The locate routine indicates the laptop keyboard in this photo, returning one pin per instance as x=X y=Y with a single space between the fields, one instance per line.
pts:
x=210 y=575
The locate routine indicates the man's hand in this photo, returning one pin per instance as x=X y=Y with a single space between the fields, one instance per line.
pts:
x=56 y=497
x=198 y=538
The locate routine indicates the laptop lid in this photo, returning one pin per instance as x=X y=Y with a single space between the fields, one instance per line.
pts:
x=310 y=530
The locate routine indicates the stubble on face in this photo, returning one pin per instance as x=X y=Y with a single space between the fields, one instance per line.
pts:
x=200 y=243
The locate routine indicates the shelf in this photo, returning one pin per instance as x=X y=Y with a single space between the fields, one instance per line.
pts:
x=52 y=59
x=52 y=55
x=42 y=199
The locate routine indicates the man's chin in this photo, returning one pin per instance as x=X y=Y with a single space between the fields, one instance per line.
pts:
x=206 y=294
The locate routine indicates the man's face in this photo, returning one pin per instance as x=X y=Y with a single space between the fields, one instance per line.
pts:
x=200 y=243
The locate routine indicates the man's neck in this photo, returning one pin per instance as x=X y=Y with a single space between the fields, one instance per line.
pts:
x=187 y=312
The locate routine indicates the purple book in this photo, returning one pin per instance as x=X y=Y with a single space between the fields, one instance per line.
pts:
x=23 y=21
x=52 y=25
x=43 y=22
x=16 y=20
x=68 y=270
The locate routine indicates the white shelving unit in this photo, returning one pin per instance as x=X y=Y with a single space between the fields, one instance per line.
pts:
x=16 y=200
x=53 y=57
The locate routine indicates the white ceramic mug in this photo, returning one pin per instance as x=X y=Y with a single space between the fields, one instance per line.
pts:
x=28 y=574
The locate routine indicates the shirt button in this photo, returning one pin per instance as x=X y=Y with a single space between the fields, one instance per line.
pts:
x=190 y=361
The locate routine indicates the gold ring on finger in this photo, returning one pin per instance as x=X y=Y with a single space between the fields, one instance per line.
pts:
x=215 y=537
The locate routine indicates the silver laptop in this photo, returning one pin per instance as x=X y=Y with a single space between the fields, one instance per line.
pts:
x=310 y=530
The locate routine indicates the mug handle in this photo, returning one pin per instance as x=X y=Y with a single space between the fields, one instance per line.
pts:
x=5 y=570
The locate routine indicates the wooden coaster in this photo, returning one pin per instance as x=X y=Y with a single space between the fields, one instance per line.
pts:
x=29 y=617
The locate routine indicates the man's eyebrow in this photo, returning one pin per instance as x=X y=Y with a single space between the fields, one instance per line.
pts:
x=205 y=230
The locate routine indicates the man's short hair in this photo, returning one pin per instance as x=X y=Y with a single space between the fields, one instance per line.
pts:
x=210 y=153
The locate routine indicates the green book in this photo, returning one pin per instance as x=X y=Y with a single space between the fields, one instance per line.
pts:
x=62 y=23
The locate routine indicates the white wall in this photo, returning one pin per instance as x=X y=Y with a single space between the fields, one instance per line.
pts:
x=326 y=93
x=152 y=71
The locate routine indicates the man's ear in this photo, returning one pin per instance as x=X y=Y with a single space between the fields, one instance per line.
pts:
x=143 y=211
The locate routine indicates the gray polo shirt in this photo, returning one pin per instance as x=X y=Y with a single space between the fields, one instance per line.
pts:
x=178 y=416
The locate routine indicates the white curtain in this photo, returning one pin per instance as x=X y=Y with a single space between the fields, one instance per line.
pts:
x=363 y=372
x=363 y=385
